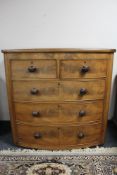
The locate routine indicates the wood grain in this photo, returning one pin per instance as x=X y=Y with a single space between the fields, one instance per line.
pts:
x=74 y=69
x=47 y=90
x=43 y=69
x=64 y=113
x=10 y=96
x=72 y=135
x=54 y=90
x=58 y=136
x=57 y=56
x=71 y=90
x=49 y=135
x=57 y=107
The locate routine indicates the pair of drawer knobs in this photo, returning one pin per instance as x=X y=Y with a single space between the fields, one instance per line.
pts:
x=37 y=114
x=33 y=69
x=38 y=135
x=35 y=91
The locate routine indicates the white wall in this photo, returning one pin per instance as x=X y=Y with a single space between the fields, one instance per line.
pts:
x=56 y=23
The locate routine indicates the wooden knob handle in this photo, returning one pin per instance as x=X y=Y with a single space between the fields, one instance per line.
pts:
x=35 y=114
x=82 y=113
x=80 y=135
x=84 y=69
x=37 y=135
x=83 y=91
x=32 y=69
x=34 y=91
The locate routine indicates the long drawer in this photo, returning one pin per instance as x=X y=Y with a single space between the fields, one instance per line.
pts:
x=55 y=113
x=49 y=136
x=58 y=90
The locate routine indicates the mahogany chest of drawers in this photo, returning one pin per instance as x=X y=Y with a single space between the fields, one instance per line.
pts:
x=58 y=98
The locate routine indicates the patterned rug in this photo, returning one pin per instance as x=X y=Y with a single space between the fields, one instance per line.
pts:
x=98 y=161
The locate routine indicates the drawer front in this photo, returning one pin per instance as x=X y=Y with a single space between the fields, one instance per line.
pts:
x=64 y=90
x=83 y=68
x=82 y=90
x=32 y=69
x=37 y=113
x=81 y=113
x=43 y=113
x=35 y=90
x=37 y=136
x=78 y=135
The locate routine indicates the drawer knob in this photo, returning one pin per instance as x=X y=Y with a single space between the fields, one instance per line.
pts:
x=85 y=69
x=32 y=69
x=83 y=91
x=37 y=135
x=34 y=91
x=35 y=114
x=80 y=135
x=82 y=113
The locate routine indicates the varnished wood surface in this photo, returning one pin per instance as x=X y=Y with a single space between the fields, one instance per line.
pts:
x=49 y=135
x=61 y=50
x=58 y=136
x=58 y=79
x=10 y=97
x=43 y=69
x=71 y=135
x=56 y=56
x=71 y=90
x=54 y=90
x=67 y=68
x=64 y=113
x=73 y=69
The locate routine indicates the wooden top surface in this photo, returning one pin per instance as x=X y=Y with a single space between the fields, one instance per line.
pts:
x=50 y=50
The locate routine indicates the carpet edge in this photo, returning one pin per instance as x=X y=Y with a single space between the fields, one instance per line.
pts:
x=86 y=151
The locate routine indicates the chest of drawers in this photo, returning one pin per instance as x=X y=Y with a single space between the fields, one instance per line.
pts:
x=58 y=98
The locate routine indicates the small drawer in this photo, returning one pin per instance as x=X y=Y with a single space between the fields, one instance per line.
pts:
x=64 y=113
x=33 y=69
x=35 y=90
x=79 y=135
x=82 y=90
x=35 y=136
x=84 y=68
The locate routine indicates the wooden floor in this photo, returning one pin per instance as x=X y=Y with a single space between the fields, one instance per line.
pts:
x=6 y=138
